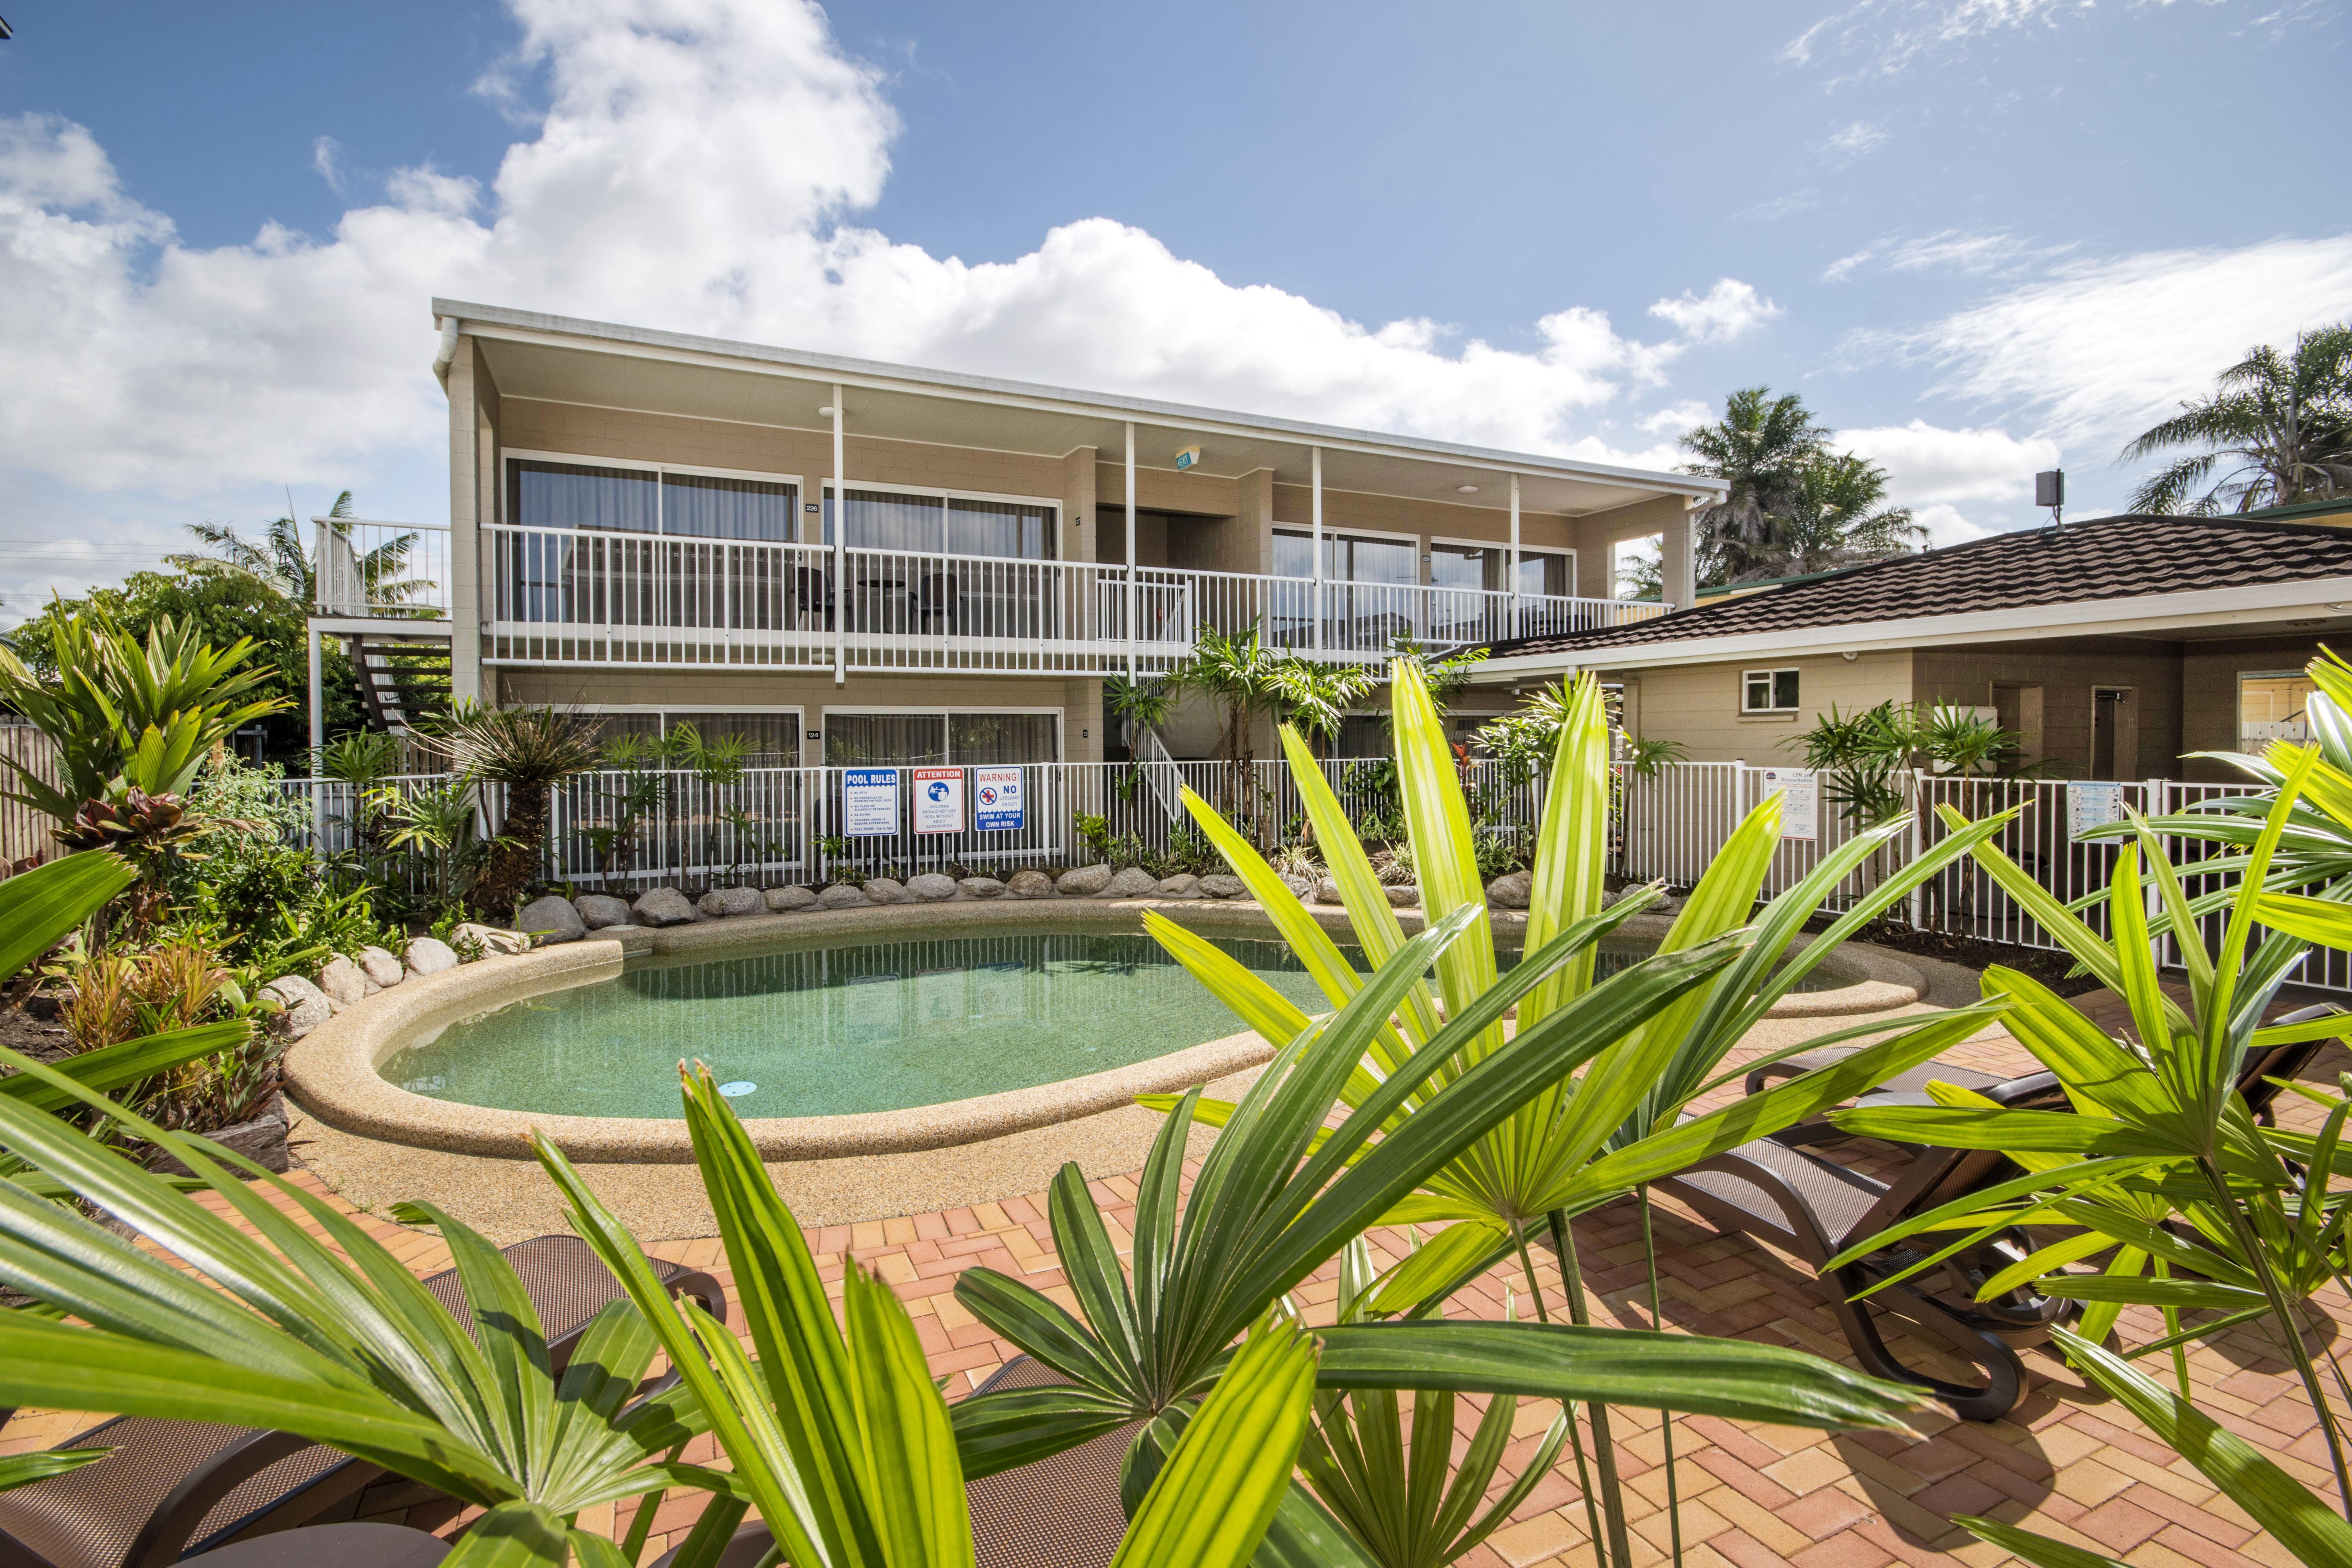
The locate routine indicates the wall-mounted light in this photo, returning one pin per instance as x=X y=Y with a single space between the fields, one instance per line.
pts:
x=1849 y=658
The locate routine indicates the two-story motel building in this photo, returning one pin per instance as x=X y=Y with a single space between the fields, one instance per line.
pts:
x=863 y=563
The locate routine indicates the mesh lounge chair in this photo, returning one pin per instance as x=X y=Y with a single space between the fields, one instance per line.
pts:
x=344 y=1545
x=174 y=1489
x=1063 y=1511
x=1809 y=1206
x=1910 y=1088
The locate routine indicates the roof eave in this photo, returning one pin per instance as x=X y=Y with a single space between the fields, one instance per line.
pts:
x=2253 y=605
x=876 y=373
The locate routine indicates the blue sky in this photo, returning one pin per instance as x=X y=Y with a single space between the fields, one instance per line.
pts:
x=1979 y=235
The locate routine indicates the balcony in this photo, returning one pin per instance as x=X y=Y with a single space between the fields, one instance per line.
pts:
x=381 y=570
x=588 y=597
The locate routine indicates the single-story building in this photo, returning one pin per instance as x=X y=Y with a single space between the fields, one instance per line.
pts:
x=2113 y=646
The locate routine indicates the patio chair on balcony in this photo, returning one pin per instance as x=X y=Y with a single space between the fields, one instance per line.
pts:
x=2255 y=1078
x=174 y=1489
x=1060 y=1512
x=1814 y=1208
x=939 y=599
x=813 y=595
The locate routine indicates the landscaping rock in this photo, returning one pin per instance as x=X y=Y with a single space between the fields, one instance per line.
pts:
x=343 y=981
x=725 y=903
x=1135 y=883
x=982 y=887
x=1223 y=885
x=931 y=887
x=1183 y=885
x=1403 y=895
x=599 y=910
x=1510 y=891
x=552 y=918
x=381 y=967
x=262 y=1140
x=789 y=900
x=1086 y=881
x=1030 y=885
x=428 y=955
x=1327 y=892
x=1302 y=886
x=305 y=1005
x=843 y=896
x=662 y=907
x=887 y=890
x=495 y=942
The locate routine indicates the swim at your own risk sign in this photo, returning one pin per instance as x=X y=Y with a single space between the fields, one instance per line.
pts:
x=1000 y=802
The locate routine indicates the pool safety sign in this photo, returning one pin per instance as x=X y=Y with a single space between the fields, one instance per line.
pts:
x=2092 y=805
x=939 y=800
x=1001 y=803
x=869 y=802
x=1800 y=801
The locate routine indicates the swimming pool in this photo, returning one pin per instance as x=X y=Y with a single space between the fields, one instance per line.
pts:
x=850 y=1026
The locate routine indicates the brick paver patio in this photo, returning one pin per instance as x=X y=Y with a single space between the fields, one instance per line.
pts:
x=2064 y=1462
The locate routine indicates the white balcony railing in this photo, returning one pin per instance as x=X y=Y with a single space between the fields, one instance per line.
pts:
x=383 y=569
x=580 y=596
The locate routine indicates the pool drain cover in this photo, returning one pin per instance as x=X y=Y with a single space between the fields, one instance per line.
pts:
x=738 y=1088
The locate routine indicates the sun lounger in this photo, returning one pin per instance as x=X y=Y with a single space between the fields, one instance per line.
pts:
x=174 y=1489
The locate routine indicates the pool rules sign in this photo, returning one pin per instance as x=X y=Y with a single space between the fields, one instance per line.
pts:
x=939 y=800
x=869 y=802
x=1002 y=801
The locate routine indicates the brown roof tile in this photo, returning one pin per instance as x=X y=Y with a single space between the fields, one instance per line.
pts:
x=2106 y=558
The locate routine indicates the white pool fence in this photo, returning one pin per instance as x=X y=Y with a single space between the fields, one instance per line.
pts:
x=625 y=832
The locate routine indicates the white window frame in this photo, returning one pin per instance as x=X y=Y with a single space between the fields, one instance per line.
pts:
x=947 y=493
x=1503 y=546
x=886 y=710
x=764 y=710
x=1771 y=675
x=581 y=459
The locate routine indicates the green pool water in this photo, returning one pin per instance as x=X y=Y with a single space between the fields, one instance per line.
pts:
x=878 y=1025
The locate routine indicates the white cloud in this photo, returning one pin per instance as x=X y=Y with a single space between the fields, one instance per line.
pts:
x=327 y=158
x=1947 y=525
x=1884 y=38
x=1730 y=310
x=1856 y=141
x=1782 y=207
x=1676 y=417
x=1928 y=464
x=2103 y=349
x=694 y=169
x=1844 y=267
x=1948 y=250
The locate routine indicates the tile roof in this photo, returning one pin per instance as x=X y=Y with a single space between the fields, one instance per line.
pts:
x=2119 y=557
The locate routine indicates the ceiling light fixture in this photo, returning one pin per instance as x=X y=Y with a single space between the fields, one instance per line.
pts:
x=826 y=411
x=1466 y=489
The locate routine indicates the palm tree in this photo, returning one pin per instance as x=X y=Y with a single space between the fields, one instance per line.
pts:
x=2283 y=423
x=279 y=560
x=1761 y=447
x=1835 y=516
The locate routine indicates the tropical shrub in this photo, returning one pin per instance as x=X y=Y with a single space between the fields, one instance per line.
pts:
x=527 y=751
x=2160 y=1160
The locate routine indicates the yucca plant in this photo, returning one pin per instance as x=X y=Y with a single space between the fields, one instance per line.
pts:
x=2158 y=1118
x=529 y=751
x=841 y=1437
x=1610 y=1120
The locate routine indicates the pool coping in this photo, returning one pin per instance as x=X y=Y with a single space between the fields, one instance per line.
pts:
x=332 y=1072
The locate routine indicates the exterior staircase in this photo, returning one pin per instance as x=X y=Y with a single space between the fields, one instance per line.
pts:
x=401 y=679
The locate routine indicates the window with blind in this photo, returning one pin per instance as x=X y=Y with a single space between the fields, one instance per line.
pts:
x=945 y=523
x=775 y=738
x=921 y=740
x=546 y=494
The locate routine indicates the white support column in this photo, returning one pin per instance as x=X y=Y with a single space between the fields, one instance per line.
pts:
x=1131 y=605
x=840 y=548
x=1512 y=563
x=1318 y=452
x=318 y=731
